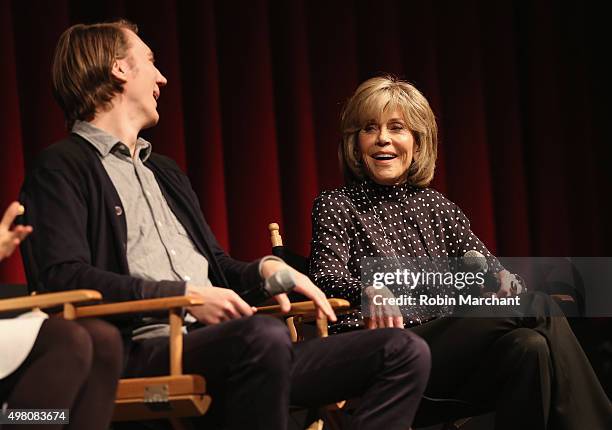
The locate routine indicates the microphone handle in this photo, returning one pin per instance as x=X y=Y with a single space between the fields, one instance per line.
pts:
x=254 y=296
x=491 y=283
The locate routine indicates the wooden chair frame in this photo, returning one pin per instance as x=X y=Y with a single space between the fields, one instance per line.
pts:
x=170 y=397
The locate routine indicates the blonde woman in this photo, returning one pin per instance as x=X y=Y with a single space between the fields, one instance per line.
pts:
x=531 y=371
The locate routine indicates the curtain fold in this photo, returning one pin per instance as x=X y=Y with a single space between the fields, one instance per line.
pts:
x=255 y=89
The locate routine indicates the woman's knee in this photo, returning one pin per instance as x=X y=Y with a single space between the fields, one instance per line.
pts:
x=107 y=344
x=67 y=344
x=408 y=348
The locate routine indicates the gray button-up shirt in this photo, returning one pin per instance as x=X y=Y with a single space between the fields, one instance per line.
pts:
x=158 y=247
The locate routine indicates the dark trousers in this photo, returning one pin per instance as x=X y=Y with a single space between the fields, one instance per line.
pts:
x=530 y=370
x=254 y=372
x=72 y=365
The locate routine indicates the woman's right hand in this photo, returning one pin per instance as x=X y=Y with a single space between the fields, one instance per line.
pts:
x=382 y=314
x=10 y=239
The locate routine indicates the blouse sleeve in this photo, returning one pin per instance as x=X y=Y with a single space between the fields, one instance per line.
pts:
x=468 y=241
x=330 y=251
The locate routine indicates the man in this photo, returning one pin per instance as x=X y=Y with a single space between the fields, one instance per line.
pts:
x=111 y=215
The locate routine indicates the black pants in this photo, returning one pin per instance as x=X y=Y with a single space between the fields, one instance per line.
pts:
x=530 y=370
x=254 y=372
x=72 y=365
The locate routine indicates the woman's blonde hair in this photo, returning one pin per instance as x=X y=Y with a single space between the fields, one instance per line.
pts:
x=369 y=101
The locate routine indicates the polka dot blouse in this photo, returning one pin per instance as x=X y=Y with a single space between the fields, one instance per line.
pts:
x=371 y=220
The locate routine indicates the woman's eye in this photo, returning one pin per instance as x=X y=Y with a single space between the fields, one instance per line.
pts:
x=370 y=128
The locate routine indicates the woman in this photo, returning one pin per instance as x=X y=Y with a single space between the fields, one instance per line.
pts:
x=531 y=371
x=53 y=363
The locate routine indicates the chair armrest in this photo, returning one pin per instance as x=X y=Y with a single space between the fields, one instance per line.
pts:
x=137 y=306
x=302 y=308
x=173 y=305
x=47 y=300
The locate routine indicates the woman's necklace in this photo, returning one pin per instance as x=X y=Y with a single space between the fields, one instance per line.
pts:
x=381 y=225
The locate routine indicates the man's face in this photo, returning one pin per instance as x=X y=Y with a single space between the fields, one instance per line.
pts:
x=142 y=82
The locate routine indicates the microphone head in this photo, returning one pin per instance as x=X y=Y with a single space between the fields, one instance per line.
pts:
x=280 y=282
x=475 y=261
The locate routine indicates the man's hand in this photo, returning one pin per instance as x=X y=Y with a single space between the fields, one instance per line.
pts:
x=10 y=239
x=220 y=304
x=303 y=285
x=383 y=315
x=509 y=285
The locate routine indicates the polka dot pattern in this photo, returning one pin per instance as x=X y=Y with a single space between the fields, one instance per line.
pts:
x=371 y=220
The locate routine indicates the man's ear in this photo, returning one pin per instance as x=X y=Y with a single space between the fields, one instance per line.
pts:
x=119 y=69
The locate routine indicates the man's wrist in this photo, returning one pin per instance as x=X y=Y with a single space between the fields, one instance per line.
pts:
x=270 y=264
x=191 y=289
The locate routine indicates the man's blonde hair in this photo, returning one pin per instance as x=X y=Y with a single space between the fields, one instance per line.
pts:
x=83 y=81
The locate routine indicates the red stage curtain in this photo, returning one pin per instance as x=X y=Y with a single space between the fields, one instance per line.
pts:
x=255 y=89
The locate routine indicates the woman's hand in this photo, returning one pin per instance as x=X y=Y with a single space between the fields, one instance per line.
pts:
x=10 y=239
x=382 y=315
x=509 y=284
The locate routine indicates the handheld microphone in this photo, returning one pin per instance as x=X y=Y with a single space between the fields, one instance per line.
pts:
x=281 y=281
x=475 y=262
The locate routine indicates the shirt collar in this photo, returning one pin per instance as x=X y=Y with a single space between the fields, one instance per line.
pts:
x=105 y=142
x=385 y=192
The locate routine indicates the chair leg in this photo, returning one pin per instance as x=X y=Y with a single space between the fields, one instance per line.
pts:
x=317 y=425
x=332 y=419
x=313 y=420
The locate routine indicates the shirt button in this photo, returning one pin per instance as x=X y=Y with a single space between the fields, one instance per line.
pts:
x=118 y=210
x=187 y=278
x=173 y=252
x=148 y=193
x=159 y=223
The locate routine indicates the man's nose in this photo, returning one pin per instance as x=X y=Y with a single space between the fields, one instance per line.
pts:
x=161 y=79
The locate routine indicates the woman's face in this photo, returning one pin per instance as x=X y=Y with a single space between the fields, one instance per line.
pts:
x=387 y=148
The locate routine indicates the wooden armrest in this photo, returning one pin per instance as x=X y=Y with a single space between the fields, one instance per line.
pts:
x=300 y=308
x=47 y=300
x=137 y=306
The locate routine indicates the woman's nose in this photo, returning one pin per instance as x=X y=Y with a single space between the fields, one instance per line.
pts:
x=383 y=138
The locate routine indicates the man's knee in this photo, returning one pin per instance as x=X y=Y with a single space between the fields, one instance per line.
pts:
x=266 y=330
x=267 y=338
x=528 y=344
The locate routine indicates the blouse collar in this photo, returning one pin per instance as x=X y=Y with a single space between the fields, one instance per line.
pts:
x=385 y=192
